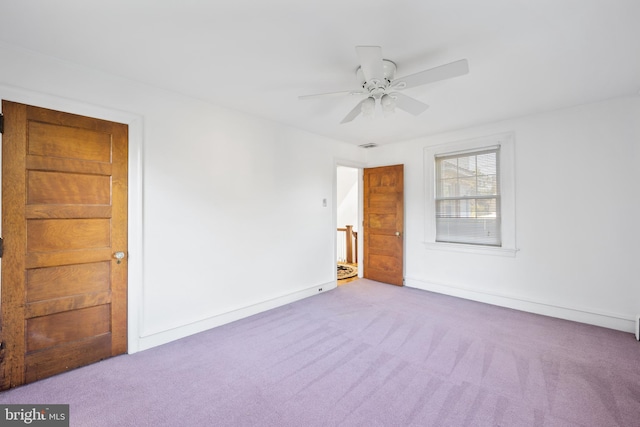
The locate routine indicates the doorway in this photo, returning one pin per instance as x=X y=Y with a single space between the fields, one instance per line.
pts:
x=373 y=199
x=348 y=220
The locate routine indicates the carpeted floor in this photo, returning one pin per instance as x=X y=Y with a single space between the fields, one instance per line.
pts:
x=366 y=354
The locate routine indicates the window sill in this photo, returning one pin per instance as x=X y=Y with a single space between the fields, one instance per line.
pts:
x=473 y=249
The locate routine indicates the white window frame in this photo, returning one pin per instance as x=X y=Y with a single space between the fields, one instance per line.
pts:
x=507 y=193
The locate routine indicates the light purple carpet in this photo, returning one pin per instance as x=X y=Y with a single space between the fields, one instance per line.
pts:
x=365 y=354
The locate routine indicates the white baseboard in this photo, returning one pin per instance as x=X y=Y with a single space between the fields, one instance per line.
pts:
x=162 y=337
x=591 y=317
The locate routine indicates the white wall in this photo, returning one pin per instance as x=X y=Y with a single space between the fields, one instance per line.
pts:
x=577 y=173
x=230 y=204
x=347 y=191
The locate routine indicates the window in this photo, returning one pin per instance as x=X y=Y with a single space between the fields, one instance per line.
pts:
x=470 y=196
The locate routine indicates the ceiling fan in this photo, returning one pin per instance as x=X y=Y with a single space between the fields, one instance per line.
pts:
x=376 y=77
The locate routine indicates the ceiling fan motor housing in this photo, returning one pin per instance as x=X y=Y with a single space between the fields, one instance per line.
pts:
x=377 y=87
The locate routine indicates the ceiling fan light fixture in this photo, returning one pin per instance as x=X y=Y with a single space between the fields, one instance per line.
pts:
x=368 y=107
x=388 y=104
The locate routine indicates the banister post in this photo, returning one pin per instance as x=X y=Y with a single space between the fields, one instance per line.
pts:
x=349 y=237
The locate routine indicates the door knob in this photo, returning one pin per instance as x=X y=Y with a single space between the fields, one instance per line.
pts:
x=119 y=256
x=398 y=233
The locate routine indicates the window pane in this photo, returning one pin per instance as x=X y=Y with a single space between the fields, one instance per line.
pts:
x=447 y=208
x=467 y=166
x=487 y=185
x=448 y=168
x=487 y=164
x=447 y=187
x=486 y=208
x=455 y=208
x=467 y=187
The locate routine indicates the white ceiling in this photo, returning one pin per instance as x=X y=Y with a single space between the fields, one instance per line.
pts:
x=524 y=56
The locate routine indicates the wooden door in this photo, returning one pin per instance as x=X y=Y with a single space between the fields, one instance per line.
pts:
x=64 y=214
x=384 y=224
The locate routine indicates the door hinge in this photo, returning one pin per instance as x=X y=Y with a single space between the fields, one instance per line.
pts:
x=1 y=123
x=1 y=246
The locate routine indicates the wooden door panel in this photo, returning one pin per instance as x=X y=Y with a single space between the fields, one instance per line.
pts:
x=48 y=235
x=383 y=221
x=387 y=263
x=388 y=245
x=384 y=224
x=64 y=296
x=383 y=202
x=68 y=165
x=385 y=266
x=383 y=180
x=68 y=142
x=61 y=281
x=51 y=259
x=60 y=328
x=68 y=188
x=75 y=302
x=51 y=361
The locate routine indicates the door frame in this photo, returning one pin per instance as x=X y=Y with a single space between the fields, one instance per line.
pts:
x=135 y=190
x=360 y=166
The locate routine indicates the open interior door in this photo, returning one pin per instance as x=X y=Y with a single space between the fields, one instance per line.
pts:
x=384 y=224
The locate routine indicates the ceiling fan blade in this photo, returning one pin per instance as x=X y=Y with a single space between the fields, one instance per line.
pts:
x=408 y=104
x=370 y=62
x=353 y=113
x=446 y=71
x=332 y=94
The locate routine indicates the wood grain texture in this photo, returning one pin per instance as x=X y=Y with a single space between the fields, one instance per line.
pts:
x=14 y=233
x=68 y=165
x=67 y=304
x=51 y=259
x=54 y=360
x=61 y=328
x=54 y=140
x=384 y=224
x=119 y=238
x=48 y=235
x=64 y=296
x=67 y=211
x=61 y=281
x=59 y=188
